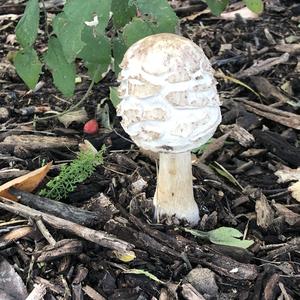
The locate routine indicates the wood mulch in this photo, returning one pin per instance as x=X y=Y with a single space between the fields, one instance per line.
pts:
x=78 y=248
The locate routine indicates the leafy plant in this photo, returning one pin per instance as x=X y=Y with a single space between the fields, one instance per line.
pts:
x=217 y=6
x=82 y=31
x=222 y=236
x=71 y=175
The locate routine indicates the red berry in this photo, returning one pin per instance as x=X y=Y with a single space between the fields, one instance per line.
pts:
x=91 y=127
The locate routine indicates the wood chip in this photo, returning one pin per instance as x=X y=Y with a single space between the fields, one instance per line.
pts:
x=264 y=212
x=282 y=117
x=262 y=66
x=238 y=134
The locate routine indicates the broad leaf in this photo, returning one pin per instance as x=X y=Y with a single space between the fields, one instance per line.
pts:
x=222 y=236
x=160 y=12
x=114 y=97
x=63 y=72
x=69 y=34
x=217 y=6
x=136 y=30
x=28 y=66
x=228 y=236
x=119 y=48
x=27 y=28
x=96 y=54
x=256 y=6
x=84 y=11
x=122 y=12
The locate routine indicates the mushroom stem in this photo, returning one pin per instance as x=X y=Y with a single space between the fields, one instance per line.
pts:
x=174 y=191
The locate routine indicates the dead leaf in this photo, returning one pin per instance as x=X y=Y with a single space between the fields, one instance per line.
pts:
x=28 y=182
x=290 y=217
x=244 y=12
x=295 y=190
x=286 y=174
x=78 y=116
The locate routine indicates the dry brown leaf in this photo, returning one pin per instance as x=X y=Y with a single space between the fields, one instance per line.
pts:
x=290 y=217
x=244 y=12
x=27 y=182
x=286 y=174
x=295 y=190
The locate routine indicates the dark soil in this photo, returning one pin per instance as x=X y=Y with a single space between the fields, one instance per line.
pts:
x=259 y=141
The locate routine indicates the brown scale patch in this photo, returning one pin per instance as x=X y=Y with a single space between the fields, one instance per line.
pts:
x=179 y=77
x=143 y=90
x=155 y=114
x=178 y=98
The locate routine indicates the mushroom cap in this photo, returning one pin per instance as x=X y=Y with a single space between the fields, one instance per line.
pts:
x=169 y=97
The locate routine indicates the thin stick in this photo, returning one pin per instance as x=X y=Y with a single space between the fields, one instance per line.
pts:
x=44 y=231
x=96 y=236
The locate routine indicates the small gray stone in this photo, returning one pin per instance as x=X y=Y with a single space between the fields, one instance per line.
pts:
x=204 y=281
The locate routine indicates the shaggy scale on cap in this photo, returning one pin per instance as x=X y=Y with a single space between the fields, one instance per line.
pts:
x=169 y=96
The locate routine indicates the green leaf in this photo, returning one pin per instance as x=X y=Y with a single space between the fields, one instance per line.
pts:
x=27 y=28
x=96 y=53
x=222 y=236
x=84 y=11
x=146 y=273
x=119 y=48
x=28 y=66
x=136 y=30
x=217 y=6
x=122 y=12
x=69 y=34
x=63 y=72
x=114 y=97
x=160 y=12
x=228 y=236
x=256 y=6
x=223 y=172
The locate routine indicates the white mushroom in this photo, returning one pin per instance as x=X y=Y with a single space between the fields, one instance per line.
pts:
x=169 y=105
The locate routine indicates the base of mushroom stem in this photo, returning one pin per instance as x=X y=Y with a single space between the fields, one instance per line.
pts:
x=174 y=192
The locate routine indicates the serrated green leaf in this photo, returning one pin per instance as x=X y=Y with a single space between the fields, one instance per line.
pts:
x=119 y=48
x=27 y=28
x=229 y=237
x=256 y=6
x=136 y=30
x=84 y=11
x=146 y=273
x=217 y=6
x=28 y=66
x=96 y=53
x=69 y=34
x=122 y=12
x=160 y=12
x=63 y=73
x=114 y=97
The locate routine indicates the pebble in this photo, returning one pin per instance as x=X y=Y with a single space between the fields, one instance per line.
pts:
x=204 y=281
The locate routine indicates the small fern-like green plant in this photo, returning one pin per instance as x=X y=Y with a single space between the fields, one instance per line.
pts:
x=71 y=175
